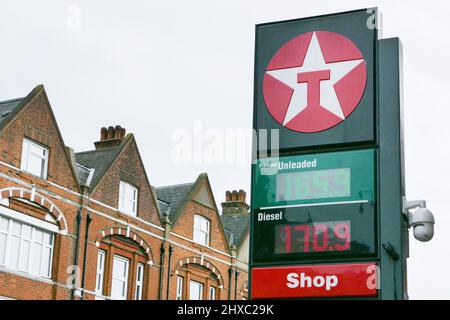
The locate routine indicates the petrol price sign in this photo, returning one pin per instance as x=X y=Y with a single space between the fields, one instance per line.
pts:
x=314 y=184
x=326 y=236
x=326 y=199
x=288 y=181
x=313 y=206
x=311 y=232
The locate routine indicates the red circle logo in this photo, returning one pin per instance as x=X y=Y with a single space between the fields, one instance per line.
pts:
x=314 y=81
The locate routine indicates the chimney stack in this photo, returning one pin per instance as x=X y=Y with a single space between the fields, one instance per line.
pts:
x=235 y=203
x=109 y=137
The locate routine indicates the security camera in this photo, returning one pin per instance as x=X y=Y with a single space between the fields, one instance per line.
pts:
x=422 y=221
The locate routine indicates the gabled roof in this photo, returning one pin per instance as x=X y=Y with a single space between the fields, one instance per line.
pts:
x=173 y=198
x=93 y=165
x=99 y=160
x=6 y=107
x=177 y=196
x=236 y=226
x=9 y=108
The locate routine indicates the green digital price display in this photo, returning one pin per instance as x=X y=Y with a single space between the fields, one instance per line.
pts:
x=319 y=206
x=314 y=184
x=319 y=178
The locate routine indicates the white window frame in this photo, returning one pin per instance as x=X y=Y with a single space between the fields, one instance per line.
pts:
x=212 y=293
x=121 y=279
x=139 y=281
x=199 y=285
x=124 y=202
x=101 y=256
x=38 y=223
x=32 y=243
x=179 y=295
x=26 y=153
x=202 y=230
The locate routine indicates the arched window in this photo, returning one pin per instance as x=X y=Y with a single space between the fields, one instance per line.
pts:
x=197 y=279
x=121 y=269
x=26 y=243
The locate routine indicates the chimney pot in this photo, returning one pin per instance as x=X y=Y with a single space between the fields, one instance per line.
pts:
x=117 y=131
x=241 y=196
x=235 y=204
x=110 y=132
x=109 y=137
x=103 y=133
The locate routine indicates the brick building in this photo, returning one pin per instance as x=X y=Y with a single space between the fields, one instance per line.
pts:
x=236 y=221
x=206 y=264
x=90 y=225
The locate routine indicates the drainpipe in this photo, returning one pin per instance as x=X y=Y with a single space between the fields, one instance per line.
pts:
x=161 y=270
x=167 y=226
x=236 y=275
x=233 y=251
x=230 y=277
x=88 y=222
x=77 y=249
x=168 y=271
x=85 y=189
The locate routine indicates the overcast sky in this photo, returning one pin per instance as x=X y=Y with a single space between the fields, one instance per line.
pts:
x=158 y=67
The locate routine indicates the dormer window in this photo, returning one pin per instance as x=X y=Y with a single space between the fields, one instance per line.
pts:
x=128 y=198
x=201 y=230
x=34 y=159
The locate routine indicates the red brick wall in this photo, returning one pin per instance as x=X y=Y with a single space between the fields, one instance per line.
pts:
x=37 y=123
x=185 y=225
x=216 y=254
x=128 y=168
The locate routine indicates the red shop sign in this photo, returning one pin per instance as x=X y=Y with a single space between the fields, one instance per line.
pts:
x=308 y=281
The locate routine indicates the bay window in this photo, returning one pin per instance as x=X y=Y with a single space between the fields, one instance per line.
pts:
x=121 y=268
x=25 y=248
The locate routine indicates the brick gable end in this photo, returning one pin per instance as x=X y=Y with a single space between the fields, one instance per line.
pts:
x=185 y=223
x=36 y=122
x=128 y=168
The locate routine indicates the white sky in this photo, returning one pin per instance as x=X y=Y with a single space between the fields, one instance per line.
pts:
x=158 y=66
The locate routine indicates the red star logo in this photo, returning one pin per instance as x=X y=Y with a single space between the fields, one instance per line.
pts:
x=314 y=81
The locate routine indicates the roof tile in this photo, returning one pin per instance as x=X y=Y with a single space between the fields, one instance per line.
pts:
x=175 y=196
x=98 y=160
